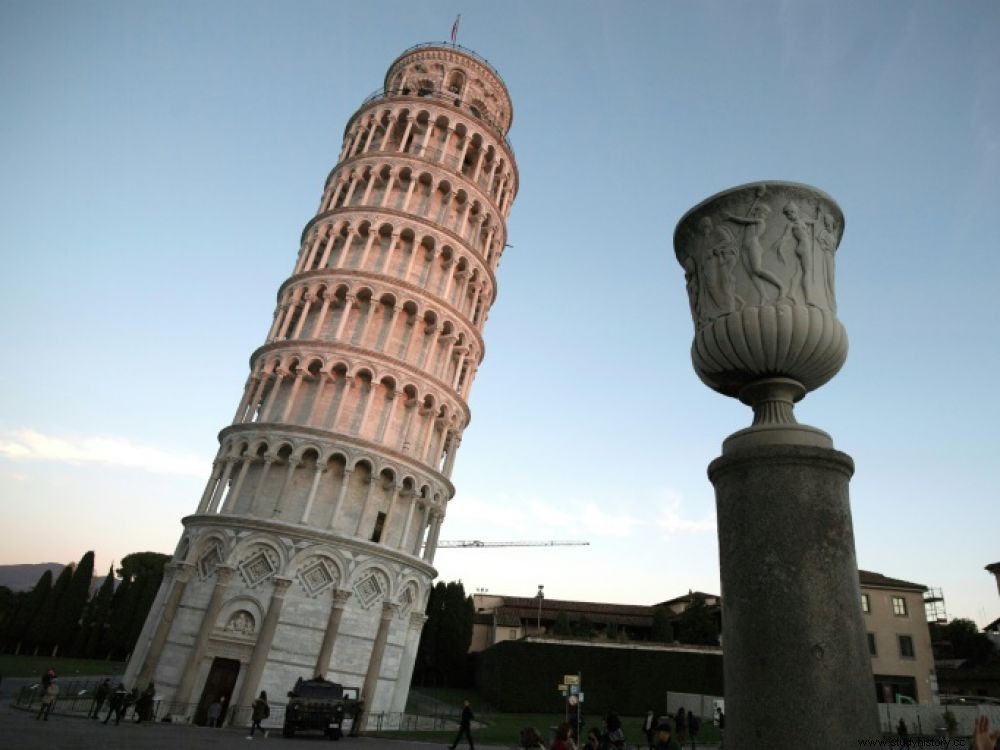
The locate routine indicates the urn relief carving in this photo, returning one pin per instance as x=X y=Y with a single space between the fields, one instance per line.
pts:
x=759 y=269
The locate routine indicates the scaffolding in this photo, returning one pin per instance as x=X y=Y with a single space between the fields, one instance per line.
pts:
x=934 y=606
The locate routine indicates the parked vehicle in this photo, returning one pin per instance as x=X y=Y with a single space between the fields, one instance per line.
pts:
x=320 y=705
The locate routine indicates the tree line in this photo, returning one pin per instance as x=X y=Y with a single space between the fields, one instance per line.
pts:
x=61 y=616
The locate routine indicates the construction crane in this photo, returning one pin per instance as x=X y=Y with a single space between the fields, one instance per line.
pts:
x=466 y=543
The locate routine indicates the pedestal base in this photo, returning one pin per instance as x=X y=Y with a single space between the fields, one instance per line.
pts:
x=797 y=668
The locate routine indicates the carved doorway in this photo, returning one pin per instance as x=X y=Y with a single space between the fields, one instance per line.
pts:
x=218 y=686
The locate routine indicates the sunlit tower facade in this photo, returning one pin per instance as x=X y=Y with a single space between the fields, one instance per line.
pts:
x=312 y=548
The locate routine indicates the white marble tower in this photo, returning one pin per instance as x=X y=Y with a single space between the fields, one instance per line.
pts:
x=312 y=547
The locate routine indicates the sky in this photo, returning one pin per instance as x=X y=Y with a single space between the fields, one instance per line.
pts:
x=158 y=161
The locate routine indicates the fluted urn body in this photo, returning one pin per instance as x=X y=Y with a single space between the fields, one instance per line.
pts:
x=758 y=260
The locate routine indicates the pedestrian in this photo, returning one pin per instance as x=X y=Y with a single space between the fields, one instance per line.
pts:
x=694 y=724
x=465 y=727
x=48 y=699
x=259 y=712
x=144 y=704
x=117 y=703
x=664 y=737
x=531 y=739
x=649 y=728
x=593 y=739
x=100 y=695
x=215 y=713
x=721 y=721
x=904 y=734
x=680 y=724
x=616 y=735
x=564 y=738
x=47 y=677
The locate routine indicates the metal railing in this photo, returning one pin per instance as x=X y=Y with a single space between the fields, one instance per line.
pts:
x=451 y=45
x=77 y=698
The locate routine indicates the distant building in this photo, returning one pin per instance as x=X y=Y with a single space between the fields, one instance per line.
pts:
x=899 y=639
x=507 y=618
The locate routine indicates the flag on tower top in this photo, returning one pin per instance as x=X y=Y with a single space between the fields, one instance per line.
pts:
x=454 y=28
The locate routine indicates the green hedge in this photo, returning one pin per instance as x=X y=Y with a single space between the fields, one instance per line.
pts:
x=523 y=676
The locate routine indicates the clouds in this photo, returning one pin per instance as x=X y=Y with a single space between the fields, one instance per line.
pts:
x=29 y=445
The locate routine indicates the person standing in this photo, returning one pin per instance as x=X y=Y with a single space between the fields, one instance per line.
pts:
x=664 y=737
x=48 y=699
x=215 y=713
x=259 y=712
x=694 y=724
x=680 y=725
x=564 y=738
x=100 y=695
x=144 y=705
x=649 y=728
x=465 y=727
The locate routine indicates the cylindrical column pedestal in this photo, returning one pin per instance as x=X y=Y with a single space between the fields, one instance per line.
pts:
x=796 y=657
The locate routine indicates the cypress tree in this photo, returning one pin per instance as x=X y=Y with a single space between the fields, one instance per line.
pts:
x=24 y=618
x=425 y=672
x=95 y=618
x=119 y=620
x=44 y=629
x=73 y=602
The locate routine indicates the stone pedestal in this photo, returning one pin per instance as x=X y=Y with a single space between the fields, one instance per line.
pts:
x=797 y=668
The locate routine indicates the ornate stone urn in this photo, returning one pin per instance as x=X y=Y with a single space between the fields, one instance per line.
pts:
x=759 y=264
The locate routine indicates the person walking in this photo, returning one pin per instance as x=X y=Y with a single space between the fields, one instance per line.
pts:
x=649 y=728
x=465 y=727
x=48 y=699
x=259 y=712
x=117 y=703
x=100 y=695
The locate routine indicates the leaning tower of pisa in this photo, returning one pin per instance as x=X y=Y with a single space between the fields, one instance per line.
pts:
x=312 y=548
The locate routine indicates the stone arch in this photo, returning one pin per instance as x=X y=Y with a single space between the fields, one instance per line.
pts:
x=209 y=550
x=372 y=583
x=409 y=595
x=241 y=616
x=316 y=570
x=258 y=559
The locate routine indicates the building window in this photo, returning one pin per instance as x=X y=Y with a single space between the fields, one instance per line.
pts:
x=871 y=645
x=906 y=647
x=379 y=525
x=866 y=606
x=899 y=606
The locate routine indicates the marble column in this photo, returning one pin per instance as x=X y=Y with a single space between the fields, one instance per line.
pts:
x=181 y=575
x=223 y=574
x=408 y=660
x=251 y=680
x=389 y=610
x=339 y=599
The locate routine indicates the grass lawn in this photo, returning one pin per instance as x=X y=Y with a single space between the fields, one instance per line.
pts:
x=33 y=666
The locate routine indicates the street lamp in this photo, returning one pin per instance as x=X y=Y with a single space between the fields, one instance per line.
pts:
x=539 y=596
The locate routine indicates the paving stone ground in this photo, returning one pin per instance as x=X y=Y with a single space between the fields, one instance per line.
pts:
x=19 y=730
